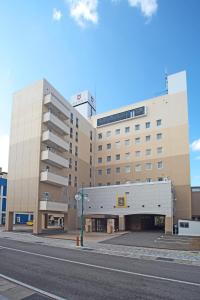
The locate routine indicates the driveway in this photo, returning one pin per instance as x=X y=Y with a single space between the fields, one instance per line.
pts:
x=155 y=239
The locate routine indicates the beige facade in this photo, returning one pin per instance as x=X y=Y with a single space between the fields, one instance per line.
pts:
x=54 y=149
x=49 y=155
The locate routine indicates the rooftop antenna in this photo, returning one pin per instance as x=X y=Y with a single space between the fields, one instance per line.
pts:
x=166 y=81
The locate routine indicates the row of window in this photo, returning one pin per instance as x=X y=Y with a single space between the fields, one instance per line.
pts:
x=127 y=155
x=72 y=120
x=127 y=142
x=136 y=180
x=127 y=169
x=128 y=129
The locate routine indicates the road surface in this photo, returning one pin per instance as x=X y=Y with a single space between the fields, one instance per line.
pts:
x=81 y=274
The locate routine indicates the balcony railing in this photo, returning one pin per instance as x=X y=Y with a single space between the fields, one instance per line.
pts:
x=54 y=179
x=52 y=140
x=54 y=159
x=53 y=206
x=52 y=102
x=53 y=122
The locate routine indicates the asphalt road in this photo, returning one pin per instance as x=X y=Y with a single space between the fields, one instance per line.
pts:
x=82 y=274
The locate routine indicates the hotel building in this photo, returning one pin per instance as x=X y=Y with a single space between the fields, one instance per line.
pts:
x=56 y=145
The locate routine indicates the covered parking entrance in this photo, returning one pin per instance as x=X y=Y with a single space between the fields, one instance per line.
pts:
x=144 y=222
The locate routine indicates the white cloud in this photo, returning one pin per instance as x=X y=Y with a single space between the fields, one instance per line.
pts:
x=195 y=146
x=147 y=7
x=4 y=147
x=83 y=11
x=57 y=14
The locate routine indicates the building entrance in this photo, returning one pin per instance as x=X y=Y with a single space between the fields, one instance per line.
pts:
x=99 y=225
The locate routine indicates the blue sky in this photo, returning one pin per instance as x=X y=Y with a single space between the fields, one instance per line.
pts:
x=116 y=49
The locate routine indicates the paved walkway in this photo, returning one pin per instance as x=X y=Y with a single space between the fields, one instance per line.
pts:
x=185 y=257
x=13 y=291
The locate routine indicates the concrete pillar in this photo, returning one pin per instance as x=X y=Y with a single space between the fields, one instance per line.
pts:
x=66 y=222
x=9 y=221
x=168 y=225
x=37 y=222
x=88 y=225
x=121 y=223
x=110 y=225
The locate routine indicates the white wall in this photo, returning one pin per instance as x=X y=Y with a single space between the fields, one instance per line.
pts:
x=103 y=200
x=192 y=230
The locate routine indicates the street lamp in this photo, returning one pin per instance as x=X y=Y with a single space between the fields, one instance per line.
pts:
x=81 y=196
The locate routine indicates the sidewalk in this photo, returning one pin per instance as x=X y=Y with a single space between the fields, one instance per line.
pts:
x=185 y=257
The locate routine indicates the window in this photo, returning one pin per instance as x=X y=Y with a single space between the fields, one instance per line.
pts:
x=90 y=159
x=127 y=129
x=137 y=180
x=138 y=168
x=159 y=150
x=159 y=136
x=160 y=178
x=99 y=172
x=148 y=151
x=99 y=184
x=139 y=111
x=70 y=147
x=159 y=164
x=137 y=153
x=137 y=127
x=90 y=147
x=100 y=147
x=127 y=142
x=148 y=125
x=71 y=118
x=108 y=171
x=118 y=170
x=71 y=132
x=109 y=158
x=75 y=181
x=127 y=169
x=159 y=122
x=148 y=138
x=70 y=179
x=99 y=160
x=76 y=136
x=70 y=163
x=184 y=224
x=117 y=156
x=137 y=140
x=108 y=146
x=127 y=155
x=148 y=166
x=76 y=151
x=108 y=133
x=117 y=144
x=100 y=136
x=90 y=172
x=76 y=164
x=117 y=182
x=91 y=135
x=117 y=131
x=108 y=183
x=77 y=122
x=149 y=180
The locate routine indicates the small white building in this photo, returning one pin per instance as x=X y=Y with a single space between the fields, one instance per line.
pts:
x=188 y=227
x=135 y=206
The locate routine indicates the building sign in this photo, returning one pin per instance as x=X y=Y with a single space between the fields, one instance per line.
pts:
x=129 y=114
x=121 y=201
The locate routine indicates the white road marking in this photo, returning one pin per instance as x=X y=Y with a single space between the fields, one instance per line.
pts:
x=104 y=268
x=32 y=288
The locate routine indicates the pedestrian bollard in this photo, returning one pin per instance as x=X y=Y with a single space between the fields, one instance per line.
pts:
x=77 y=241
